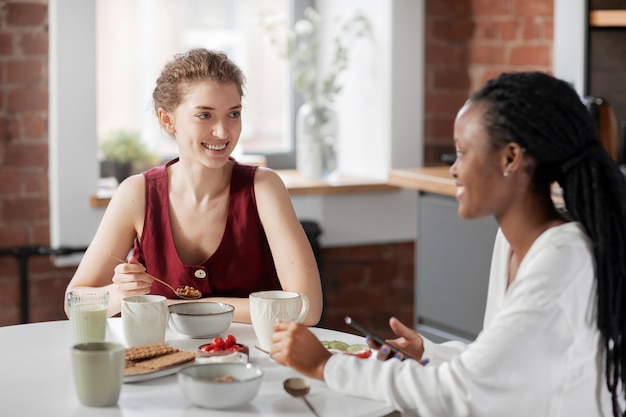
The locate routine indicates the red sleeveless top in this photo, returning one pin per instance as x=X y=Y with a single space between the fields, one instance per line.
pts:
x=242 y=262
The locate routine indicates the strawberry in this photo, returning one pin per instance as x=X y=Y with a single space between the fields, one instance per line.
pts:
x=218 y=342
x=229 y=341
x=208 y=347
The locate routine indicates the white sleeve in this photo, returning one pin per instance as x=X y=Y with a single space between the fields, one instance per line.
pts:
x=437 y=353
x=516 y=367
x=407 y=386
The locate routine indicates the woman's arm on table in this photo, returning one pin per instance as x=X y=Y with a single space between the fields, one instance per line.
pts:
x=122 y=219
x=295 y=263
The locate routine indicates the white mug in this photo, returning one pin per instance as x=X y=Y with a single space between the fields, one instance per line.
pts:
x=268 y=306
x=98 y=372
x=144 y=319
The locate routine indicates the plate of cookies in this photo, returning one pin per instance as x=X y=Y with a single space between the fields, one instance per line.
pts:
x=154 y=361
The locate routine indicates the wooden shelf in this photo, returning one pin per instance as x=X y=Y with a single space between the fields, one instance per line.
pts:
x=607 y=18
x=428 y=179
x=298 y=185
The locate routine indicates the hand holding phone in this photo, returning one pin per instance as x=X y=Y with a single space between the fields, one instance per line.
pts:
x=394 y=349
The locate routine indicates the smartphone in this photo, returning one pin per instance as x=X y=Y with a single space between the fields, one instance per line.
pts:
x=349 y=321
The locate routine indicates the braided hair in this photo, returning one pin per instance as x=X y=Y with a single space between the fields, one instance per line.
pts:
x=548 y=119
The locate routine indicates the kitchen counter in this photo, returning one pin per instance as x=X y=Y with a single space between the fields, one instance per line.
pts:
x=429 y=179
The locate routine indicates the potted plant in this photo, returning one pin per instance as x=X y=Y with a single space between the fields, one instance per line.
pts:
x=123 y=152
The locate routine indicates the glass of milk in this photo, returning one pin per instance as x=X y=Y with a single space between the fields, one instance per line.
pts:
x=88 y=314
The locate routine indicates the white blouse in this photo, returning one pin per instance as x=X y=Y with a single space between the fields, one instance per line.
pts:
x=539 y=353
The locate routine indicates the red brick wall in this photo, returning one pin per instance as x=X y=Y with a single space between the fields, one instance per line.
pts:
x=466 y=42
x=24 y=160
x=470 y=41
x=370 y=283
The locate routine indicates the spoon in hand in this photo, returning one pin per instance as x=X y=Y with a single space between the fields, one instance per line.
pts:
x=299 y=387
x=186 y=293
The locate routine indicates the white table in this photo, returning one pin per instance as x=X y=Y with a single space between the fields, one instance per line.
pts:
x=36 y=379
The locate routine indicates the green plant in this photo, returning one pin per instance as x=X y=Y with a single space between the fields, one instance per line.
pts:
x=126 y=147
x=300 y=45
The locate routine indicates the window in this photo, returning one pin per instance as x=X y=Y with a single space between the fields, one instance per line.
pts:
x=135 y=38
x=381 y=121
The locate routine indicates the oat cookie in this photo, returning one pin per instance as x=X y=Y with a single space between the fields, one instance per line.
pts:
x=154 y=357
x=148 y=351
x=165 y=361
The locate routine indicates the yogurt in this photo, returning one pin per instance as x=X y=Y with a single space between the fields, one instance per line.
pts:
x=88 y=314
x=88 y=323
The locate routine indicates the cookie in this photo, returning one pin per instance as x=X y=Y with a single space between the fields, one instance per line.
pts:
x=165 y=361
x=148 y=351
x=154 y=357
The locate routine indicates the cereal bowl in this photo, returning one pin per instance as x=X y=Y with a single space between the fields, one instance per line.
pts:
x=200 y=319
x=220 y=385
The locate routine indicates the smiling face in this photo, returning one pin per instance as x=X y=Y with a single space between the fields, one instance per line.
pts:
x=478 y=169
x=207 y=122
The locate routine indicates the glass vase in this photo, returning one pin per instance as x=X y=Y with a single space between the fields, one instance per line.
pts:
x=316 y=135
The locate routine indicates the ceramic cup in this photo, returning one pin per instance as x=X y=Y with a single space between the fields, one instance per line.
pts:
x=88 y=314
x=267 y=306
x=144 y=319
x=98 y=372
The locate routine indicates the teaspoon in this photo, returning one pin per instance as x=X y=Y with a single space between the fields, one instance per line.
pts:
x=299 y=387
x=178 y=291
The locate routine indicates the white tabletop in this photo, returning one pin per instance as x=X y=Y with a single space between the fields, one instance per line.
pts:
x=36 y=379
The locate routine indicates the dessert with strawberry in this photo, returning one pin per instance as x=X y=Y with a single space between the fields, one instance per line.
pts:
x=220 y=346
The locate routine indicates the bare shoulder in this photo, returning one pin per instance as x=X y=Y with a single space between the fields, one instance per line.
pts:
x=130 y=193
x=268 y=180
x=273 y=199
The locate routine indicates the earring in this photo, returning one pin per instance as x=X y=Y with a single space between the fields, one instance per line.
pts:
x=506 y=172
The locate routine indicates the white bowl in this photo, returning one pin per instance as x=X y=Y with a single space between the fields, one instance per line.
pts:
x=201 y=319
x=199 y=385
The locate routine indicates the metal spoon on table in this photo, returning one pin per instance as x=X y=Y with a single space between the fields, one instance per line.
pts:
x=177 y=291
x=299 y=387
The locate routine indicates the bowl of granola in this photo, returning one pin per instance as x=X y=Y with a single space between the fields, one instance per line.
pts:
x=200 y=320
x=220 y=385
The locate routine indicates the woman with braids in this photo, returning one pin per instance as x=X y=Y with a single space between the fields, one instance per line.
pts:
x=552 y=343
x=202 y=220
